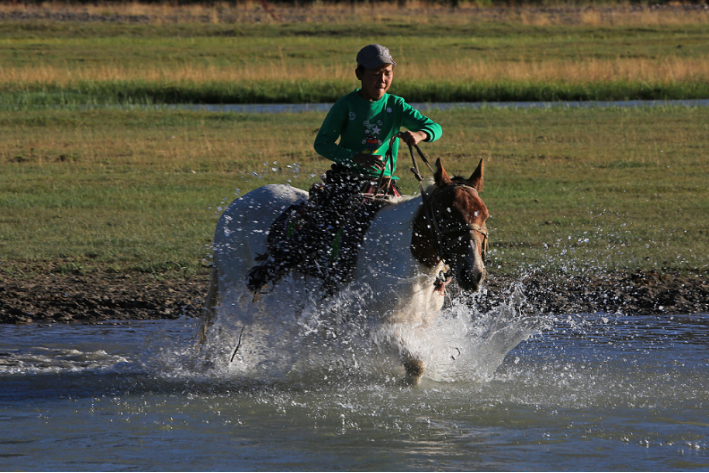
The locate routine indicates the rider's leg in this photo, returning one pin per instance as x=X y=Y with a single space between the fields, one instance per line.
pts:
x=310 y=242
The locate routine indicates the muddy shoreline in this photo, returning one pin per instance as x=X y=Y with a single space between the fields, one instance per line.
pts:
x=100 y=297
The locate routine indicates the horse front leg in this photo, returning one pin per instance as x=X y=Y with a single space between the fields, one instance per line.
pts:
x=414 y=368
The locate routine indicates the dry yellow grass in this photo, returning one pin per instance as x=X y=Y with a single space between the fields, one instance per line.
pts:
x=620 y=15
x=204 y=62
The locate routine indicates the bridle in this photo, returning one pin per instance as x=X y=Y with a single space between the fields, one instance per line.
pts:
x=436 y=231
x=470 y=228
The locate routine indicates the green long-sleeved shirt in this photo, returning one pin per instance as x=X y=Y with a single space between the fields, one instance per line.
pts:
x=367 y=127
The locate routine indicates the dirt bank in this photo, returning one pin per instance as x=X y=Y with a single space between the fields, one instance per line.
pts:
x=629 y=293
x=98 y=297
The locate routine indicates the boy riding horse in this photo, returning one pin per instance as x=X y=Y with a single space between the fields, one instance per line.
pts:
x=365 y=121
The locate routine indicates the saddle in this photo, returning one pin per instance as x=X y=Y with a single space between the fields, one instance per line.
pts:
x=320 y=237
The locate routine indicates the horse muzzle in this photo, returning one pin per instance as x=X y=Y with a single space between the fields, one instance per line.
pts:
x=470 y=271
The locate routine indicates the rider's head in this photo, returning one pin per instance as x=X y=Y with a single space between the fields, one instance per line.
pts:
x=375 y=69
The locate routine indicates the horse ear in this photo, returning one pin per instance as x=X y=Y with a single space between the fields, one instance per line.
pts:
x=476 y=179
x=441 y=176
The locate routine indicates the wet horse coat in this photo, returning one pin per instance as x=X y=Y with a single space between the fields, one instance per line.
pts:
x=399 y=262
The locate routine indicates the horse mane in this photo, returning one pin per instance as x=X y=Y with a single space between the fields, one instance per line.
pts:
x=430 y=186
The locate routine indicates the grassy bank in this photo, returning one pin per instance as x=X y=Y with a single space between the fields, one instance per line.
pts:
x=244 y=55
x=138 y=189
x=140 y=92
x=572 y=190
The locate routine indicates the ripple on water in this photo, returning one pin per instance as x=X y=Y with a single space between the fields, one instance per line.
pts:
x=588 y=391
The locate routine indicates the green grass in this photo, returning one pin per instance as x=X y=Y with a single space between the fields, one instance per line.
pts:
x=142 y=189
x=147 y=93
x=436 y=61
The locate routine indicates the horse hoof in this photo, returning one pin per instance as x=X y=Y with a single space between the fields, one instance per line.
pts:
x=414 y=371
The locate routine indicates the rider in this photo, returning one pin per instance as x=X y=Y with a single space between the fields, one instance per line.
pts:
x=365 y=121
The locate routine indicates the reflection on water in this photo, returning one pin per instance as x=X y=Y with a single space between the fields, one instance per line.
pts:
x=584 y=392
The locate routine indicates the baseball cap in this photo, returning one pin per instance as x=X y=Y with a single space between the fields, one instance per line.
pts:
x=373 y=56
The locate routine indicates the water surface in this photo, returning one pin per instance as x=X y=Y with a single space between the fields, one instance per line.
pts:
x=585 y=392
x=324 y=107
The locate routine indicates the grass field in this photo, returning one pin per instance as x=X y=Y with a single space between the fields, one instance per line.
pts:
x=140 y=189
x=242 y=54
x=571 y=190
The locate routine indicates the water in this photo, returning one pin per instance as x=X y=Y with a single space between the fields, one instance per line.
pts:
x=582 y=392
x=422 y=106
x=324 y=107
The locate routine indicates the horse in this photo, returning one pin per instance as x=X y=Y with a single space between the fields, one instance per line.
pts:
x=413 y=248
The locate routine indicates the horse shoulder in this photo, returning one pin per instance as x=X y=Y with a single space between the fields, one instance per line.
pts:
x=386 y=247
x=404 y=286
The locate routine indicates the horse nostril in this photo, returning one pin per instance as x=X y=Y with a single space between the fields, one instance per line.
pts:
x=469 y=279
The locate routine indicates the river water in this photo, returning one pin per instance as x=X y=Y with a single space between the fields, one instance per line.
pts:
x=424 y=106
x=509 y=392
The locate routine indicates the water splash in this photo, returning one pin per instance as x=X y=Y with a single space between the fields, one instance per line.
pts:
x=294 y=337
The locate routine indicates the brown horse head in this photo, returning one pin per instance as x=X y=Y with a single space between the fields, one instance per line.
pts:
x=451 y=227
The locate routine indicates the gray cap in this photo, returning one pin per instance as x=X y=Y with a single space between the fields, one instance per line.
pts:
x=373 y=56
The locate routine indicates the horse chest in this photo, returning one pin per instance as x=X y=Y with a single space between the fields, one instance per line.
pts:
x=403 y=289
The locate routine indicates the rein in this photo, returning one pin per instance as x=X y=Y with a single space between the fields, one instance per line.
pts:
x=436 y=230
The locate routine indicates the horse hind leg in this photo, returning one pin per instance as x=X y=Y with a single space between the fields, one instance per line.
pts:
x=209 y=313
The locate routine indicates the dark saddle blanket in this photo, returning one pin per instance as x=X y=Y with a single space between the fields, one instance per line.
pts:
x=322 y=241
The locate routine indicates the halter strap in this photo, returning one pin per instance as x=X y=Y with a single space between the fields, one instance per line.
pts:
x=437 y=231
x=435 y=228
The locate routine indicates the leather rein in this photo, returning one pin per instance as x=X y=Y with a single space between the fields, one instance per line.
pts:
x=436 y=231
x=435 y=228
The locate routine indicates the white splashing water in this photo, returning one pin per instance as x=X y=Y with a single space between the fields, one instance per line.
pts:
x=299 y=339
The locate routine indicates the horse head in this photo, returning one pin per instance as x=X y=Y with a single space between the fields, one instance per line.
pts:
x=451 y=227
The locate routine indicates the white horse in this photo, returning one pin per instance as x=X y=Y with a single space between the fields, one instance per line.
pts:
x=407 y=249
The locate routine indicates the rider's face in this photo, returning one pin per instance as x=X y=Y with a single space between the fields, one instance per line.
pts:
x=375 y=82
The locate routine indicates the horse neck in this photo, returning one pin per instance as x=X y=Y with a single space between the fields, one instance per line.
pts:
x=400 y=214
x=390 y=236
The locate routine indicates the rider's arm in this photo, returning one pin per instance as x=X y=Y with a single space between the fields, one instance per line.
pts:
x=331 y=129
x=413 y=120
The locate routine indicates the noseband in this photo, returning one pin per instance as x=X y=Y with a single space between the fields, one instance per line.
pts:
x=470 y=228
x=436 y=231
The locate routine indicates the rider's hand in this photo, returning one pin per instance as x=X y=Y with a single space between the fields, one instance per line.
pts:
x=368 y=160
x=413 y=137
